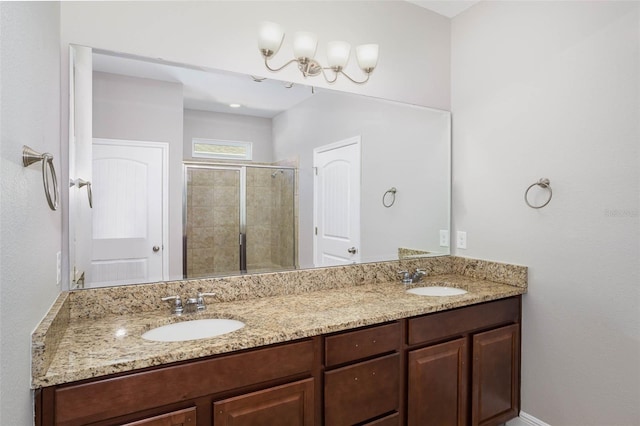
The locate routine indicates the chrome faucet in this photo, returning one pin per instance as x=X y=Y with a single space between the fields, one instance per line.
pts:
x=192 y=304
x=408 y=278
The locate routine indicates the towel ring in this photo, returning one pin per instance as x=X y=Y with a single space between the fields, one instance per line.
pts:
x=81 y=183
x=543 y=183
x=391 y=191
x=30 y=156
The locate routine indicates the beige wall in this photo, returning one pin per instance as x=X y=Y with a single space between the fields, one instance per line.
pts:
x=552 y=89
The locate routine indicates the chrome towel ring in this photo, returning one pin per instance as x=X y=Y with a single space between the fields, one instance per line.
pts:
x=542 y=183
x=391 y=191
x=30 y=156
x=81 y=183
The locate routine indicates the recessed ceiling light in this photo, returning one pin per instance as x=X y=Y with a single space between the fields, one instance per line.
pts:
x=235 y=105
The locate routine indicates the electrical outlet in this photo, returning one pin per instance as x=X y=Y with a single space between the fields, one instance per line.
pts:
x=58 y=268
x=461 y=240
x=444 y=238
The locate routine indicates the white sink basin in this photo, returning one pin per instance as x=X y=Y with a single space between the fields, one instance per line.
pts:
x=436 y=291
x=192 y=330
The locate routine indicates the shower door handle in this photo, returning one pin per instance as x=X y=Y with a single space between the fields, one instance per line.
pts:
x=243 y=253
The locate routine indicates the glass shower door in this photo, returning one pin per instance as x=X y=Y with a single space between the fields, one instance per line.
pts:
x=213 y=221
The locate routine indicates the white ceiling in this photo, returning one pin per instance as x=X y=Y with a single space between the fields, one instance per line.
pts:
x=448 y=8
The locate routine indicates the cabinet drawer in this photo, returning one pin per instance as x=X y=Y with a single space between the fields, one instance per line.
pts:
x=460 y=321
x=362 y=391
x=86 y=403
x=359 y=344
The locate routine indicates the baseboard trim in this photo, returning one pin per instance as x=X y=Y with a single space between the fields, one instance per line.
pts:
x=528 y=419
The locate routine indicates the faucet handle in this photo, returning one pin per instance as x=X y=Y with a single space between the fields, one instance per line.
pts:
x=177 y=306
x=201 y=305
x=418 y=274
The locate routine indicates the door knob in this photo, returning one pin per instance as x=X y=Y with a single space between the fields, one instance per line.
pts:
x=352 y=250
x=156 y=249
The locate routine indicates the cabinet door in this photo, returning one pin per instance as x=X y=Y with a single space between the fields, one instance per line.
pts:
x=438 y=377
x=186 y=417
x=286 y=405
x=496 y=376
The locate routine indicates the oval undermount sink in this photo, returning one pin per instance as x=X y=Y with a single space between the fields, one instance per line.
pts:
x=436 y=291
x=192 y=330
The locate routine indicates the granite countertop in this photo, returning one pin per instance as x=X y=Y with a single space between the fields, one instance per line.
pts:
x=112 y=343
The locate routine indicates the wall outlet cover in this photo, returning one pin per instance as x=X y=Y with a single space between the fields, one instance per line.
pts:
x=461 y=240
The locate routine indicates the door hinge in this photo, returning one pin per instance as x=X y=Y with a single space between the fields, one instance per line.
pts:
x=315 y=171
x=316 y=230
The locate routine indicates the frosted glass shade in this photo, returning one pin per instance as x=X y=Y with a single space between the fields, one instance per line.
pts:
x=367 y=55
x=270 y=36
x=304 y=45
x=338 y=54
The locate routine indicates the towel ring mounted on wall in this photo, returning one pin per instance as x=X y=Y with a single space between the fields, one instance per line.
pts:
x=30 y=156
x=392 y=192
x=82 y=183
x=542 y=183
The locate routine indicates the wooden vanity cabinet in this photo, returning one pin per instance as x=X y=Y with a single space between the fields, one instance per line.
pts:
x=155 y=396
x=465 y=368
x=451 y=368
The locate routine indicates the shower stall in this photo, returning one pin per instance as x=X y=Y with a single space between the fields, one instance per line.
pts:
x=238 y=219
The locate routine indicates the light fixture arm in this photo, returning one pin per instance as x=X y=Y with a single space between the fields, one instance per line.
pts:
x=266 y=64
x=352 y=80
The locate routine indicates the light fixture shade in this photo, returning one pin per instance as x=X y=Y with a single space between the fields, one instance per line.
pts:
x=270 y=36
x=338 y=54
x=367 y=55
x=304 y=45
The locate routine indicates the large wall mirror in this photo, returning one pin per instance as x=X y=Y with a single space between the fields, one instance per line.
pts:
x=182 y=172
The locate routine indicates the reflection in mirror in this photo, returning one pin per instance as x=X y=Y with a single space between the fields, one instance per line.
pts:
x=308 y=191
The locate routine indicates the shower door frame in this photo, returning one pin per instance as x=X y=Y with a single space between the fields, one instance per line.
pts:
x=242 y=229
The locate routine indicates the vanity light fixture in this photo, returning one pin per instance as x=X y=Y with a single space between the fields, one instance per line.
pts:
x=271 y=36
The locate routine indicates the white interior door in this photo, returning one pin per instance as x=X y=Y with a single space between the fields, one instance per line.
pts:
x=129 y=212
x=337 y=203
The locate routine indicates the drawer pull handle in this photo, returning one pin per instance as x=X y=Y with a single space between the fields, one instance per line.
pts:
x=374 y=340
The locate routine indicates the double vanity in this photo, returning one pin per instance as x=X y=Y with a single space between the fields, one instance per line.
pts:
x=335 y=346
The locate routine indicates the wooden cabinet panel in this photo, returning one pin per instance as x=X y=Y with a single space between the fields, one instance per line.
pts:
x=186 y=417
x=286 y=405
x=362 y=391
x=364 y=343
x=442 y=325
x=496 y=376
x=85 y=403
x=437 y=385
x=390 y=420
